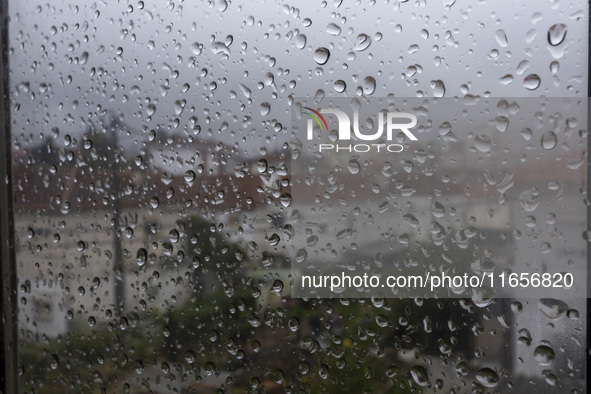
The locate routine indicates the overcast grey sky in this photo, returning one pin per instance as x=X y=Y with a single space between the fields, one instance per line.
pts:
x=138 y=58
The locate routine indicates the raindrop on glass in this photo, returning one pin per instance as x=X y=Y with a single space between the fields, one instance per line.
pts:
x=321 y=55
x=549 y=140
x=532 y=82
x=557 y=34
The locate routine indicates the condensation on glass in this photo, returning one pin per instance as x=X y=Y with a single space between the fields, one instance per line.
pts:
x=152 y=154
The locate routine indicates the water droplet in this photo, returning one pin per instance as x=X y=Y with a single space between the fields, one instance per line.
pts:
x=532 y=82
x=318 y=96
x=530 y=35
x=179 y=106
x=301 y=255
x=419 y=375
x=437 y=209
x=530 y=199
x=142 y=257
x=462 y=368
x=333 y=29
x=300 y=41
x=196 y=48
x=487 y=377
x=550 y=378
x=220 y=48
x=516 y=307
x=557 y=34
x=369 y=85
x=293 y=324
x=190 y=356
x=411 y=219
x=552 y=308
x=526 y=133
x=353 y=166
x=482 y=143
x=150 y=109
x=154 y=202
x=83 y=58
x=274 y=239
x=277 y=286
x=382 y=321
x=169 y=193
x=55 y=361
x=189 y=176
x=506 y=79
x=222 y=5
x=285 y=199
x=245 y=90
x=265 y=108
x=544 y=355
x=408 y=166
x=262 y=166
x=522 y=67
x=549 y=140
x=340 y=86
x=391 y=371
x=321 y=55
x=166 y=178
x=438 y=88
x=501 y=38
x=362 y=42
x=174 y=236
x=501 y=123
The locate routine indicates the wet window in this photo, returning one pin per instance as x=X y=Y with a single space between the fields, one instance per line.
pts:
x=172 y=184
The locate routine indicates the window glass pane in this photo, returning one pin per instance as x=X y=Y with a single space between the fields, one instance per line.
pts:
x=155 y=220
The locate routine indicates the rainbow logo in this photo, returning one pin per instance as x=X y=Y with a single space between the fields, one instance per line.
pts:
x=316 y=117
